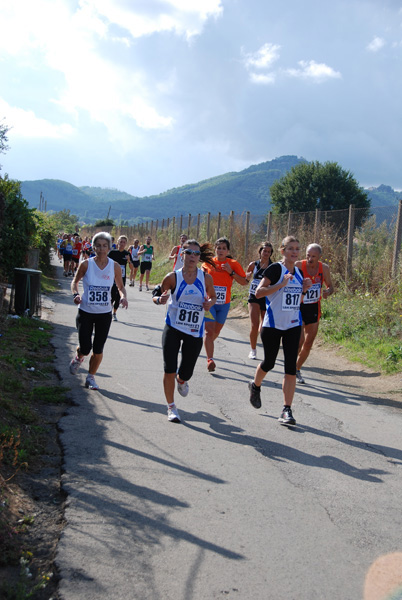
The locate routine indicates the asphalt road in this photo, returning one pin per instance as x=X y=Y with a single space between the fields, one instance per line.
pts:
x=227 y=504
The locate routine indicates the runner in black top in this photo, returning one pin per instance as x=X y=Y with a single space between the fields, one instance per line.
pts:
x=122 y=257
x=256 y=306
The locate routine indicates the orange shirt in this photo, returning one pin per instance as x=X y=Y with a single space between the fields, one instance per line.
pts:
x=223 y=281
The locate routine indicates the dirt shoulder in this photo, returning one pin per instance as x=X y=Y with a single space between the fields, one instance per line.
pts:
x=332 y=364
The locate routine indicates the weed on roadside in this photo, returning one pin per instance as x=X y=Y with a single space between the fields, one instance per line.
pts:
x=28 y=384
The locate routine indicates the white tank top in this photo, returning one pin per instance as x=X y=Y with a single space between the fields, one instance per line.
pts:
x=97 y=287
x=283 y=306
x=178 y=261
x=134 y=253
x=185 y=311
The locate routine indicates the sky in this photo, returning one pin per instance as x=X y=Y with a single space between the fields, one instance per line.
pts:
x=148 y=95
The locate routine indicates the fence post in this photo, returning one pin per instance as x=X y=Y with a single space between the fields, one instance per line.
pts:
x=397 y=241
x=231 y=231
x=349 y=251
x=163 y=224
x=208 y=225
x=269 y=224
x=181 y=224
x=218 y=229
x=289 y=222
x=173 y=229
x=189 y=226
x=317 y=224
x=247 y=235
x=198 y=225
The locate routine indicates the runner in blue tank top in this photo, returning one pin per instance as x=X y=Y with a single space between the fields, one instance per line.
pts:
x=283 y=287
x=192 y=293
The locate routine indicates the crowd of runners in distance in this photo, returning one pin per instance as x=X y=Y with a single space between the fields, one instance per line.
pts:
x=284 y=304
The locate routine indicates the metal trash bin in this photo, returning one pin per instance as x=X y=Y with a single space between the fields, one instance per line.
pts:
x=25 y=293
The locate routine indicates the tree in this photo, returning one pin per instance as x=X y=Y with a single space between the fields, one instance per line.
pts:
x=309 y=186
x=18 y=227
x=3 y=138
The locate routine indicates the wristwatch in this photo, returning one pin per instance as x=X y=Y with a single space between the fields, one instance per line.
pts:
x=232 y=273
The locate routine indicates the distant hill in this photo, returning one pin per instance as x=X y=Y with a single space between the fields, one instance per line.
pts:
x=237 y=191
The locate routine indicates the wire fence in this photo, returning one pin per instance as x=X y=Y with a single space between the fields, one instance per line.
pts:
x=347 y=236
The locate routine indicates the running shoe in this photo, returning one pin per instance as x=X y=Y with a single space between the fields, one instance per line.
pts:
x=255 y=395
x=287 y=417
x=182 y=388
x=131 y=283
x=114 y=317
x=147 y=288
x=75 y=365
x=173 y=414
x=211 y=366
x=140 y=288
x=299 y=377
x=253 y=354
x=91 y=383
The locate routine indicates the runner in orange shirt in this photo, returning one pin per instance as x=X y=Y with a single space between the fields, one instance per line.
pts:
x=225 y=272
x=312 y=268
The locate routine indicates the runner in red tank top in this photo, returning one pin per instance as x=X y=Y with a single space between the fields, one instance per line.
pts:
x=318 y=272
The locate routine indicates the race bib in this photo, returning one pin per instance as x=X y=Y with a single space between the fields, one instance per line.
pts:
x=313 y=294
x=291 y=297
x=220 y=291
x=189 y=316
x=147 y=257
x=254 y=285
x=123 y=270
x=98 y=295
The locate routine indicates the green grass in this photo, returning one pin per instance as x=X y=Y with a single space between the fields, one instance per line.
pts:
x=367 y=328
x=364 y=327
x=24 y=343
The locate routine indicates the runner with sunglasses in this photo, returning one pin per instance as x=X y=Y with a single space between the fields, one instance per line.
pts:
x=224 y=271
x=189 y=292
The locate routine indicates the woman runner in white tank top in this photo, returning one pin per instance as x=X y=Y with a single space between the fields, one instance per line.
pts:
x=95 y=311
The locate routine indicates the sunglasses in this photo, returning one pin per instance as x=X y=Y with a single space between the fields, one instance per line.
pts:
x=195 y=252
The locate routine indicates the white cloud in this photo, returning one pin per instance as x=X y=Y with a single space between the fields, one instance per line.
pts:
x=25 y=124
x=263 y=58
x=262 y=79
x=312 y=70
x=376 y=44
x=184 y=17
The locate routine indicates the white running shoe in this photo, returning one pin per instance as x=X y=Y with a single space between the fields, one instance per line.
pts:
x=75 y=365
x=91 y=383
x=253 y=354
x=299 y=377
x=173 y=414
x=114 y=317
x=182 y=388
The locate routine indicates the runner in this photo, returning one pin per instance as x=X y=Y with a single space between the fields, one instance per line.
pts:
x=176 y=253
x=134 y=262
x=121 y=256
x=224 y=271
x=319 y=273
x=147 y=256
x=67 y=246
x=256 y=307
x=77 y=249
x=191 y=293
x=283 y=286
x=94 y=313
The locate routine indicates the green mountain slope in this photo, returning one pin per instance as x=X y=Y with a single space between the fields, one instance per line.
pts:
x=237 y=191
